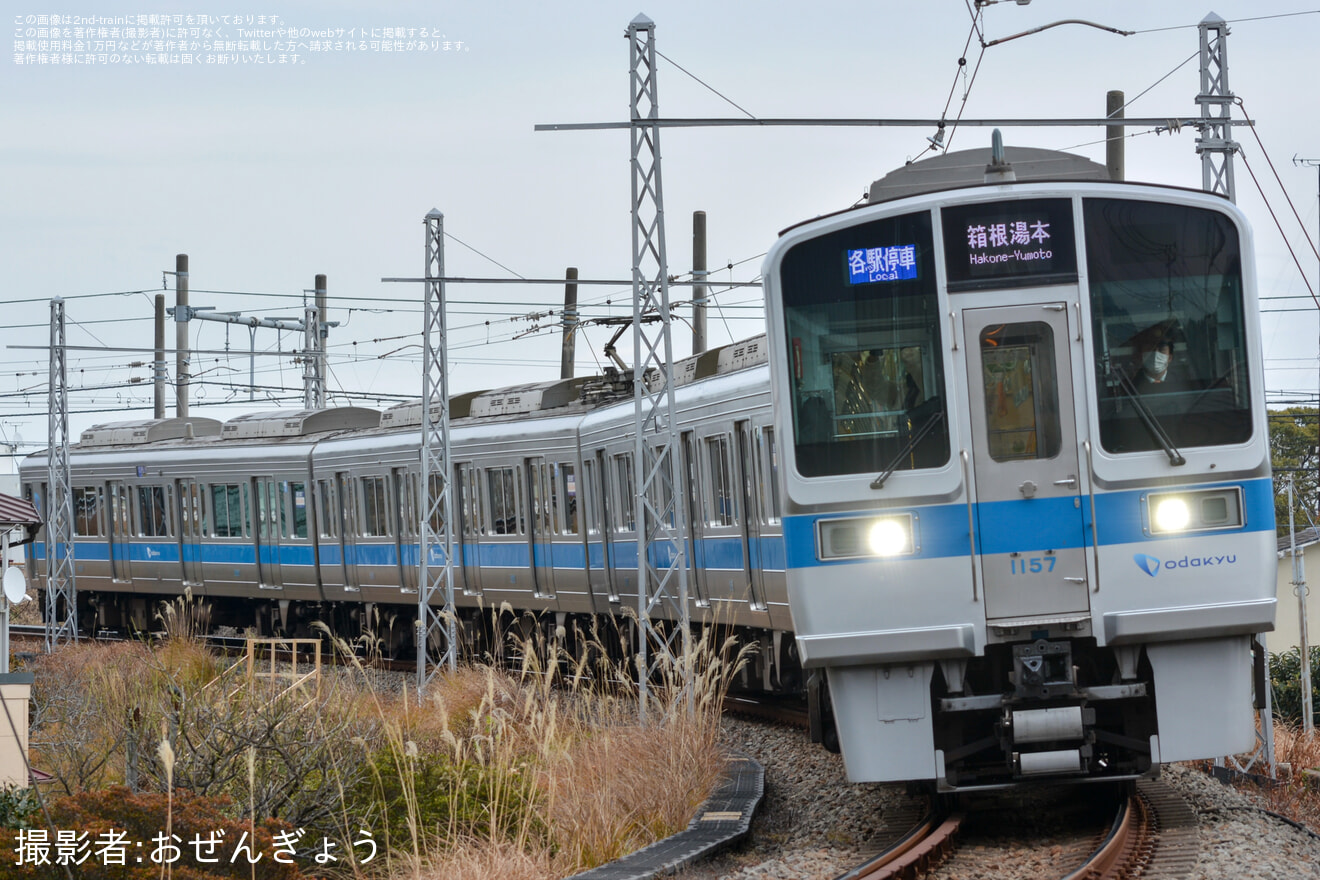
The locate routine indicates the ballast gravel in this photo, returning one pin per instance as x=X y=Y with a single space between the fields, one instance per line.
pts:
x=813 y=823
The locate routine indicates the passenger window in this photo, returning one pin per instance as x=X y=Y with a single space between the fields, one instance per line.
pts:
x=434 y=487
x=1021 y=391
x=87 y=511
x=566 y=481
x=767 y=465
x=625 y=514
x=470 y=480
x=328 y=512
x=298 y=492
x=375 y=510
x=501 y=486
x=229 y=510
x=590 y=493
x=719 y=501
x=153 y=516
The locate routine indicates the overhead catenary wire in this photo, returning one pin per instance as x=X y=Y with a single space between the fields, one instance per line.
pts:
x=1230 y=21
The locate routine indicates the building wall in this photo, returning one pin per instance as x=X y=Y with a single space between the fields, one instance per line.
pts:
x=1286 y=633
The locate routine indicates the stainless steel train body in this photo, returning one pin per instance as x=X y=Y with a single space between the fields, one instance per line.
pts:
x=280 y=519
x=1015 y=548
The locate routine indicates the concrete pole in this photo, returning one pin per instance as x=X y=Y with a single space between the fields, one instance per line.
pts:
x=1115 y=137
x=4 y=603
x=322 y=334
x=1299 y=587
x=570 y=323
x=181 y=335
x=699 y=276
x=158 y=365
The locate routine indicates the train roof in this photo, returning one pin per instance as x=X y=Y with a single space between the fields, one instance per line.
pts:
x=282 y=423
x=496 y=407
x=969 y=168
x=149 y=431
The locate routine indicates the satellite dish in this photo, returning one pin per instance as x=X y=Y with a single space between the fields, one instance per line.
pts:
x=15 y=586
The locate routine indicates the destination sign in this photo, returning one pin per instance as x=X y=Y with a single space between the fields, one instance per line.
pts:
x=894 y=263
x=1009 y=244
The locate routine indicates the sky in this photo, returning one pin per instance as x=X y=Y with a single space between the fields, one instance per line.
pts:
x=270 y=166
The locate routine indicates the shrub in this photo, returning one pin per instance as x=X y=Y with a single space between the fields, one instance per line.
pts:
x=17 y=807
x=1286 y=683
x=442 y=799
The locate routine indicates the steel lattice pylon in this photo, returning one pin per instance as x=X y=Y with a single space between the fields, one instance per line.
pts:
x=1216 y=145
x=313 y=378
x=662 y=601
x=436 y=575
x=61 y=589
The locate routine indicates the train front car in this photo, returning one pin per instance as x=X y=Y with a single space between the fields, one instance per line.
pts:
x=1029 y=519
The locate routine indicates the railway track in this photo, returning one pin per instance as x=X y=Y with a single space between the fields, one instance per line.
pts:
x=1152 y=835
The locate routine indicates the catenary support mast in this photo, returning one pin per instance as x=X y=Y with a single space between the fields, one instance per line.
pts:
x=1216 y=146
x=435 y=626
x=61 y=589
x=664 y=642
x=1215 y=143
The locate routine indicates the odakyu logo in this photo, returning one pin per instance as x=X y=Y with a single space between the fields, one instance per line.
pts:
x=1151 y=566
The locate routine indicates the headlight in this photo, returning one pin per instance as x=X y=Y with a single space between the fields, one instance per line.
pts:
x=1172 y=515
x=890 y=535
x=1199 y=510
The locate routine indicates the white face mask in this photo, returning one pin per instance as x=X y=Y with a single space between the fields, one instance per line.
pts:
x=1157 y=362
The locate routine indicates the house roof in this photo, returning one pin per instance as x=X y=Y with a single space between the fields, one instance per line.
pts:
x=15 y=512
x=1305 y=538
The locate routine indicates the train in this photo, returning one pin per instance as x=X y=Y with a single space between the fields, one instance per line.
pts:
x=992 y=493
x=1027 y=500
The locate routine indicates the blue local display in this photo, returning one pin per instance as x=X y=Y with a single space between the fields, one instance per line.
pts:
x=896 y=263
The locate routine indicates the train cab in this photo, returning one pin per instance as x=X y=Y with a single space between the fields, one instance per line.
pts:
x=1029 y=519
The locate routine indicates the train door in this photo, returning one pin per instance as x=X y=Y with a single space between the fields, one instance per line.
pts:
x=346 y=490
x=472 y=524
x=407 y=522
x=191 y=529
x=607 y=518
x=751 y=519
x=120 y=530
x=272 y=521
x=540 y=535
x=593 y=532
x=1030 y=525
x=691 y=494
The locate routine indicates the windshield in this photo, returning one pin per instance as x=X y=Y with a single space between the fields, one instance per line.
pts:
x=1166 y=302
x=863 y=340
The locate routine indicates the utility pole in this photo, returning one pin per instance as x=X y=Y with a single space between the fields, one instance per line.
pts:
x=569 y=323
x=158 y=365
x=181 y=335
x=322 y=335
x=699 y=276
x=1299 y=587
x=1115 y=145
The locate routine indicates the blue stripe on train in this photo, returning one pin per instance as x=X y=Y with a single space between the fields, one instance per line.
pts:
x=1029 y=525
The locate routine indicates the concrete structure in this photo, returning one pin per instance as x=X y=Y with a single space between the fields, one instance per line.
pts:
x=15 y=690
x=1287 y=633
x=22 y=518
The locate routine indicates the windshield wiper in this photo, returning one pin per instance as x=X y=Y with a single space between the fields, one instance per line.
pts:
x=1147 y=417
x=931 y=421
